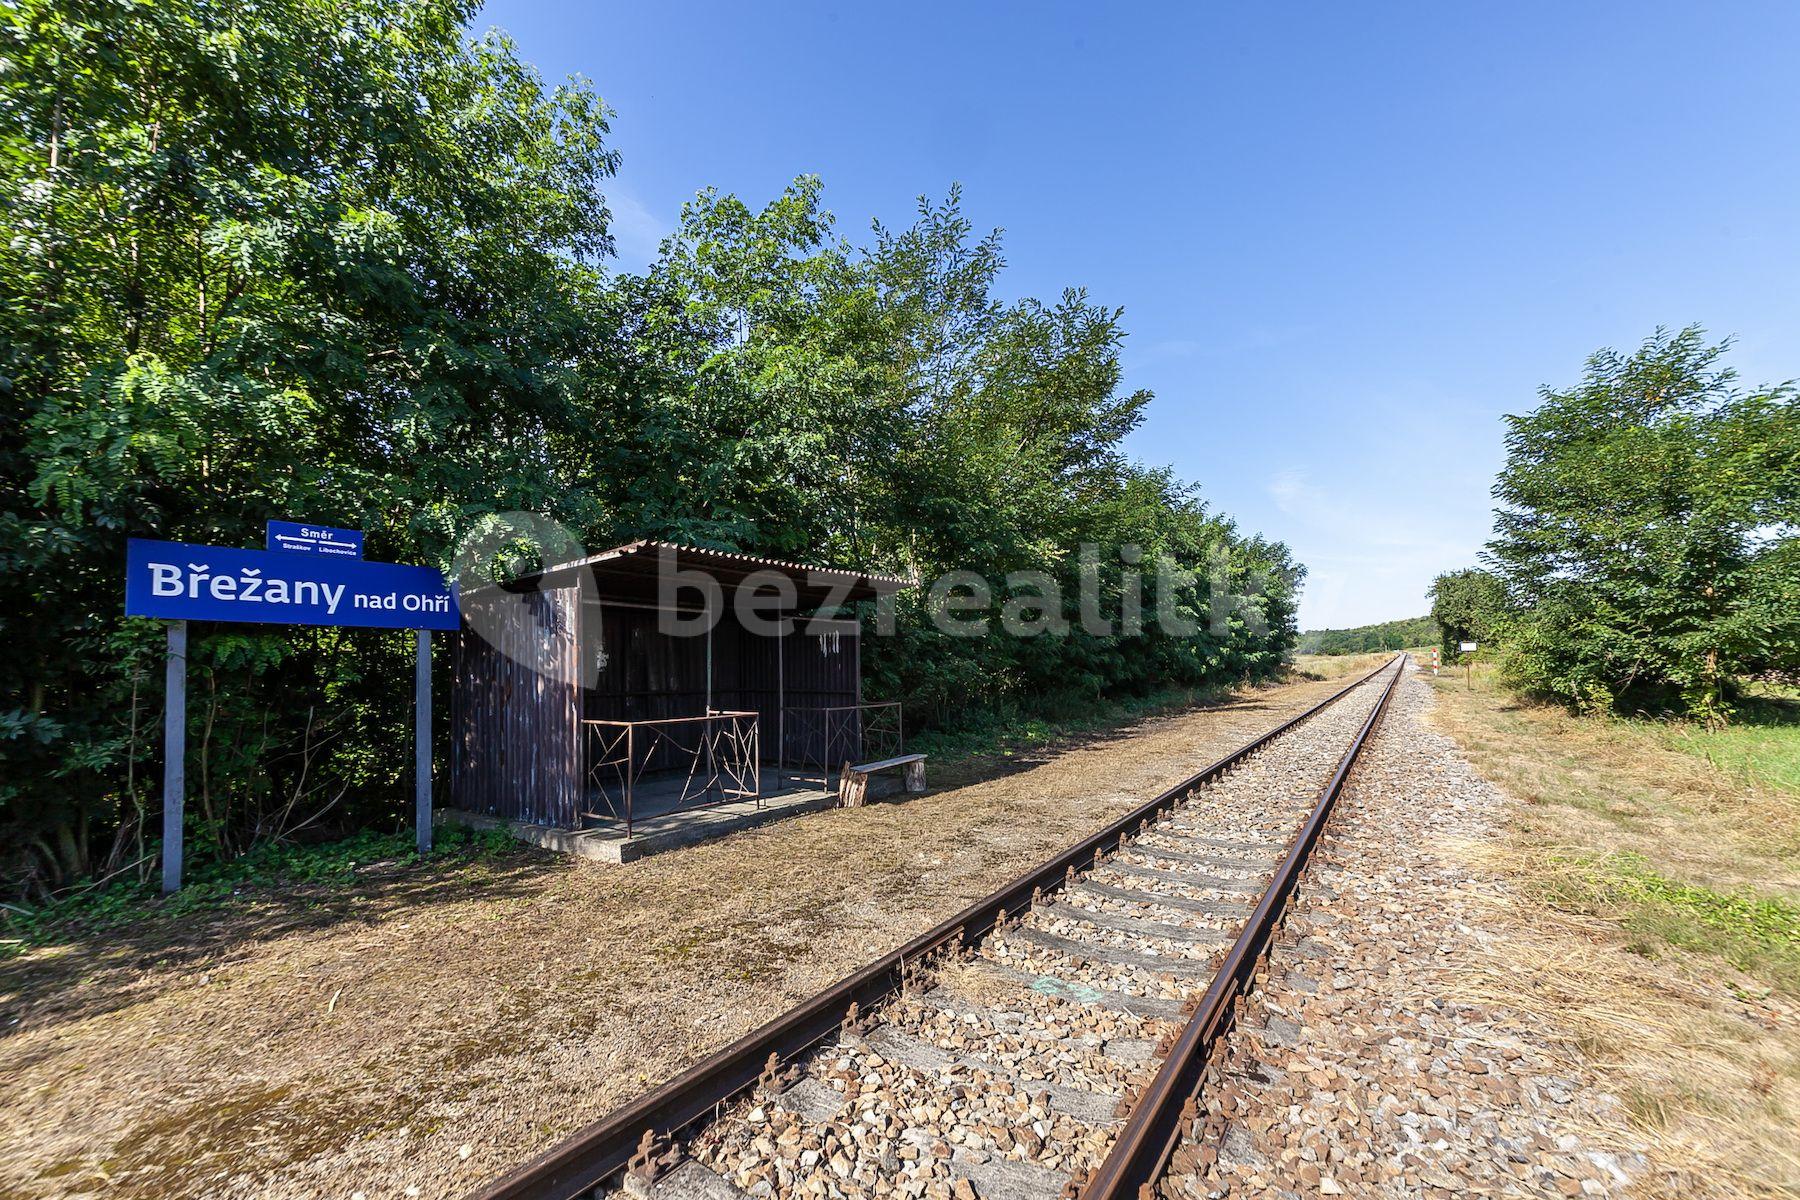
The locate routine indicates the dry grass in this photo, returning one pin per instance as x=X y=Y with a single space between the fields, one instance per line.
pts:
x=1700 y=1041
x=1338 y=666
x=975 y=982
x=1579 y=776
x=320 y=1045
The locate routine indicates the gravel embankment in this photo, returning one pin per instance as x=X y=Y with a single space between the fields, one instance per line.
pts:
x=1006 y=1082
x=1353 y=1070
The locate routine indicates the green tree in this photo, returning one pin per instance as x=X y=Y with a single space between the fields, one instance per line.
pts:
x=332 y=259
x=877 y=404
x=1467 y=606
x=1646 y=534
x=321 y=259
x=1365 y=639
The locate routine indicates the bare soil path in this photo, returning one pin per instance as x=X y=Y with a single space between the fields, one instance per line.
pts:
x=420 y=1033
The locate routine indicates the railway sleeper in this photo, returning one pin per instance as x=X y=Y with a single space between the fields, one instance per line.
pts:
x=908 y=1049
x=1255 y=868
x=1113 y=999
x=1117 y=1059
x=1233 y=910
x=1118 y=932
x=1008 y=1022
x=1194 y=880
x=1173 y=826
x=1018 y=994
x=1154 y=965
x=1198 y=935
x=1104 y=936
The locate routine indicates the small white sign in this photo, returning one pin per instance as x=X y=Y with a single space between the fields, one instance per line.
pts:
x=1468 y=647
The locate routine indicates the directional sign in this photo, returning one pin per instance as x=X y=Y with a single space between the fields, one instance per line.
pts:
x=179 y=581
x=315 y=539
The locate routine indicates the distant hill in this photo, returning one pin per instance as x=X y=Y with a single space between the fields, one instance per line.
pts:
x=1389 y=635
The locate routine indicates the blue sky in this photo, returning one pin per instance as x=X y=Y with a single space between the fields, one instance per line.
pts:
x=1347 y=238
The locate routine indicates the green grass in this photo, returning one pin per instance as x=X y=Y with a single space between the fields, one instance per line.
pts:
x=1761 y=746
x=1686 y=838
x=217 y=885
x=1756 y=933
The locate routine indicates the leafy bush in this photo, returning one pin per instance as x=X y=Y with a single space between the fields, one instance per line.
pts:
x=1467 y=606
x=243 y=280
x=1647 y=535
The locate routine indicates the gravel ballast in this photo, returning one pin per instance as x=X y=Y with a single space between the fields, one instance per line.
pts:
x=1353 y=1069
x=1014 y=1077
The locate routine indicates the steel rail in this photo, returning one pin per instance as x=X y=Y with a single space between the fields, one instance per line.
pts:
x=1150 y=1135
x=590 y=1156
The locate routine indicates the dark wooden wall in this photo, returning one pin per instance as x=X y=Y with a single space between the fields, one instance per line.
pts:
x=634 y=672
x=822 y=672
x=515 y=708
x=650 y=675
x=517 y=743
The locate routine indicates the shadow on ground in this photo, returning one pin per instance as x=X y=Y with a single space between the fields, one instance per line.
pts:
x=979 y=768
x=38 y=987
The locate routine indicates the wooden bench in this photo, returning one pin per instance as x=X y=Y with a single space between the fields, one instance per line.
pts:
x=853 y=786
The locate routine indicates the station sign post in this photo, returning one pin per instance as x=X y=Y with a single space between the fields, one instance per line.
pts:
x=1469 y=664
x=310 y=575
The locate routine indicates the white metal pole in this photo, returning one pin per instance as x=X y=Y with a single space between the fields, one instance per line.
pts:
x=422 y=742
x=174 y=754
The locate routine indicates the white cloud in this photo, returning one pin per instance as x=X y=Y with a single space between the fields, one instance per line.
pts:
x=1368 y=559
x=1292 y=494
x=637 y=231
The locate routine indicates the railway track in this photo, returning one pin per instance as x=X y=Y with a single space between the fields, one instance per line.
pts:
x=1047 y=1041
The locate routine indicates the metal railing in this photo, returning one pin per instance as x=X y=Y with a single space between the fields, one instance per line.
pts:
x=815 y=743
x=717 y=758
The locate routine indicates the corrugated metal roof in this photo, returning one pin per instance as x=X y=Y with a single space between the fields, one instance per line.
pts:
x=735 y=556
x=864 y=584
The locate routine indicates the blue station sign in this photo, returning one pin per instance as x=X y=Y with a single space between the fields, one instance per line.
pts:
x=295 y=537
x=180 y=581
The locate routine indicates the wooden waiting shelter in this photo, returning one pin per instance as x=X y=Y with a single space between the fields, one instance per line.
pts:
x=595 y=696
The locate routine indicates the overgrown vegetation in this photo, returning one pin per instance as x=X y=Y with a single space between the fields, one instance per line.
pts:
x=1467 y=606
x=1626 y=820
x=1366 y=639
x=331 y=260
x=1658 y=916
x=1758 y=934
x=1646 y=536
x=1761 y=746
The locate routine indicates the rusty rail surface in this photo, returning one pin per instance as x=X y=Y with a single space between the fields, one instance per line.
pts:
x=592 y=1155
x=1143 y=1147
